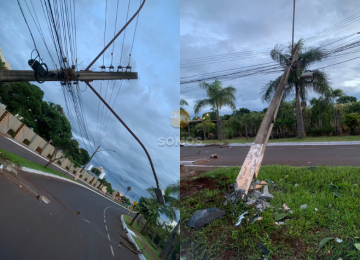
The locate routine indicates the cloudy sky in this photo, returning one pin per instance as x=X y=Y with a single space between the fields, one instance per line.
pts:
x=144 y=104
x=208 y=28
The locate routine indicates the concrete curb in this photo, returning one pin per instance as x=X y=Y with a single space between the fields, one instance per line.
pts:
x=287 y=144
x=141 y=256
x=65 y=179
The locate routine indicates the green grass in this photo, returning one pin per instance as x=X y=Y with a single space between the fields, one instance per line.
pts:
x=300 y=237
x=288 y=140
x=144 y=238
x=19 y=161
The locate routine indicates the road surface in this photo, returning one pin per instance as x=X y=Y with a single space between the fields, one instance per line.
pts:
x=20 y=150
x=332 y=155
x=34 y=230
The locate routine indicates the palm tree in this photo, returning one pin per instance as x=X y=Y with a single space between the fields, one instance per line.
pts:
x=127 y=190
x=183 y=103
x=336 y=93
x=296 y=83
x=172 y=205
x=218 y=97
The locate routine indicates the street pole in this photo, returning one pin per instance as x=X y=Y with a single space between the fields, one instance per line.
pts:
x=76 y=176
x=127 y=128
x=118 y=188
x=252 y=163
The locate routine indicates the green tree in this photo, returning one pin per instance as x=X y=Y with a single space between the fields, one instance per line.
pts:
x=55 y=128
x=148 y=208
x=209 y=115
x=96 y=171
x=22 y=98
x=241 y=111
x=84 y=156
x=126 y=200
x=352 y=121
x=297 y=84
x=218 y=97
x=346 y=99
x=127 y=190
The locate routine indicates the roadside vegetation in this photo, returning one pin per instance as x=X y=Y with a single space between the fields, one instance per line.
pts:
x=333 y=205
x=19 y=162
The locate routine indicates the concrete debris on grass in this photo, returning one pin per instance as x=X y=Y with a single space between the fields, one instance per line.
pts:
x=303 y=206
x=285 y=207
x=338 y=240
x=203 y=217
x=254 y=193
x=266 y=195
x=241 y=217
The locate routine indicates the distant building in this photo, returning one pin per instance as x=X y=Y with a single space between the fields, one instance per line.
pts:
x=7 y=64
x=90 y=166
x=102 y=175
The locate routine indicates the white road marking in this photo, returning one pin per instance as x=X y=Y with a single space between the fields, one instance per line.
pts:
x=106 y=228
x=108 y=236
x=308 y=148
x=87 y=221
x=112 y=251
x=346 y=148
x=104 y=221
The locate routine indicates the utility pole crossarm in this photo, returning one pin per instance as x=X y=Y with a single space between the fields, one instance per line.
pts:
x=65 y=75
x=252 y=163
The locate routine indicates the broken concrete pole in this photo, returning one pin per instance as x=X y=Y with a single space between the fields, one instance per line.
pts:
x=266 y=195
x=254 y=193
x=214 y=156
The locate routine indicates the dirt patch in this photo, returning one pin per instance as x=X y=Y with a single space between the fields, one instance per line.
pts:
x=189 y=186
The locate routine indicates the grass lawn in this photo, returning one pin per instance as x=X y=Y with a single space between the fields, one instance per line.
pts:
x=19 y=161
x=144 y=238
x=288 y=140
x=337 y=215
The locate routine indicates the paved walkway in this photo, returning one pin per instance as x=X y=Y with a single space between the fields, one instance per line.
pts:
x=147 y=248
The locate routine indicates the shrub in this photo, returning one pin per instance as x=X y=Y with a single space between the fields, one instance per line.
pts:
x=11 y=133
x=26 y=141
x=74 y=172
x=58 y=162
x=39 y=150
x=351 y=121
x=49 y=156
x=67 y=168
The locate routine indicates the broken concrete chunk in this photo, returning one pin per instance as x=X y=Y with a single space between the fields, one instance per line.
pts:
x=254 y=193
x=285 y=207
x=241 y=217
x=250 y=202
x=213 y=156
x=266 y=195
x=303 y=206
x=202 y=217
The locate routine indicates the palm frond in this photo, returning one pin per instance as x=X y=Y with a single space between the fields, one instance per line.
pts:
x=277 y=54
x=199 y=104
x=267 y=91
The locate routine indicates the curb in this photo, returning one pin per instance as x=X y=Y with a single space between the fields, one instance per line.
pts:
x=141 y=256
x=284 y=144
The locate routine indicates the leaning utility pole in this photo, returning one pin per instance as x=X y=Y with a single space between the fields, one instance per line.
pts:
x=77 y=175
x=252 y=163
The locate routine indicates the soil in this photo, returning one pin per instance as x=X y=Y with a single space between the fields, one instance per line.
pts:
x=189 y=186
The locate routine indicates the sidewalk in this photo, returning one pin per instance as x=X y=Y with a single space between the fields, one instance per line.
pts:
x=281 y=144
x=142 y=241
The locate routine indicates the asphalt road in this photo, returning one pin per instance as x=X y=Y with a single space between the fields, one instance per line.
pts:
x=332 y=155
x=34 y=230
x=12 y=147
